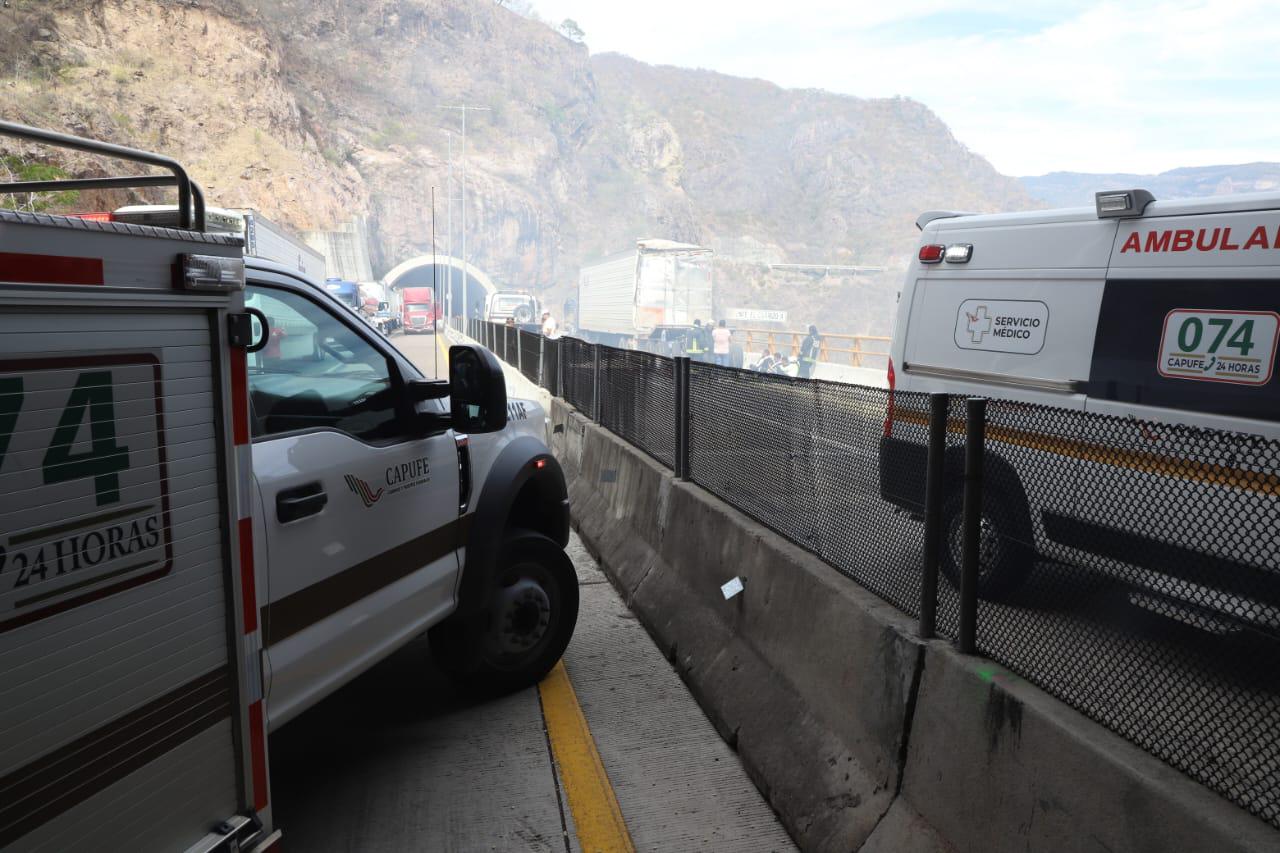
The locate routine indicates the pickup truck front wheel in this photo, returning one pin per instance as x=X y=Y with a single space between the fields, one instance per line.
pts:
x=512 y=638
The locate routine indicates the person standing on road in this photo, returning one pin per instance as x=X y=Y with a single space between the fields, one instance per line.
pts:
x=693 y=346
x=721 y=338
x=809 y=349
x=549 y=327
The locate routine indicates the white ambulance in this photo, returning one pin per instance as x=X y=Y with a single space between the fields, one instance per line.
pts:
x=222 y=496
x=1164 y=316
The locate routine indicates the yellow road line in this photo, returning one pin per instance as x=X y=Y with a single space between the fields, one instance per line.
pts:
x=444 y=354
x=596 y=814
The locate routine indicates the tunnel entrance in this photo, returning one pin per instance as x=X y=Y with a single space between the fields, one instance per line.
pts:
x=448 y=274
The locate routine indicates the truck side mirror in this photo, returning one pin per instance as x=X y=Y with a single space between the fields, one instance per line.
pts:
x=477 y=390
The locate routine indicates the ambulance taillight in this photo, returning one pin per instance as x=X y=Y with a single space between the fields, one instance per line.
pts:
x=932 y=253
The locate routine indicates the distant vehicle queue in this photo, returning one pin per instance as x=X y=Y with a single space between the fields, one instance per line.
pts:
x=654 y=296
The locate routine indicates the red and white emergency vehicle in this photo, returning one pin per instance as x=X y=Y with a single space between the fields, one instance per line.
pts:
x=131 y=707
x=1153 y=312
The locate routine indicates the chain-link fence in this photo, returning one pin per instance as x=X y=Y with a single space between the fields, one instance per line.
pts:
x=637 y=400
x=530 y=356
x=803 y=458
x=1129 y=568
x=1132 y=569
x=551 y=365
x=577 y=374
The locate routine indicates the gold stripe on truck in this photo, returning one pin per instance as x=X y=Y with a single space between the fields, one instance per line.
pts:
x=1137 y=460
x=307 y=606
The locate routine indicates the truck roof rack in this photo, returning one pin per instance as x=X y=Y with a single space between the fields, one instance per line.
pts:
x=929 y=215
x=190 y=196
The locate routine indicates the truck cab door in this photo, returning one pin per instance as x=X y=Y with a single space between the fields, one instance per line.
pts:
x=359 y=505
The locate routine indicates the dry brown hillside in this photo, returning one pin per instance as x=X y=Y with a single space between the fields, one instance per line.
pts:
x=313 y=111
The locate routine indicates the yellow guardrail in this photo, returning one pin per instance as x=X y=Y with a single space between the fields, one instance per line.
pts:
x=836 y=349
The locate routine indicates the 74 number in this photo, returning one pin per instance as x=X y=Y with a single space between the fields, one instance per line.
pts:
x=91 y=400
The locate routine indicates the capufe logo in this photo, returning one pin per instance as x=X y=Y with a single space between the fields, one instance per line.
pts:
x=398 y=478
x=363 y=490
x=1218 y=239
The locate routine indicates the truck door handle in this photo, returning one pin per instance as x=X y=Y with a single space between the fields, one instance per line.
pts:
x=299 y=502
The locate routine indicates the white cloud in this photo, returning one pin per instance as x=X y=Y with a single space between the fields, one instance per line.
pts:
x=1139 y=86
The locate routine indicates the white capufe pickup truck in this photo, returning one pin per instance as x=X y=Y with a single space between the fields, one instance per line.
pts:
x=391 y=505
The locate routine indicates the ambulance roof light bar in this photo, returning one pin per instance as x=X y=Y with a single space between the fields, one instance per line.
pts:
x=190 y=198
x=1122 y=204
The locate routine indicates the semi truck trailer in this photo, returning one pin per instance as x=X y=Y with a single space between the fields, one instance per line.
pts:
x=658 y=287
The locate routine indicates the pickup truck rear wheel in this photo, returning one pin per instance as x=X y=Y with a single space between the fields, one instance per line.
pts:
x=513 y=637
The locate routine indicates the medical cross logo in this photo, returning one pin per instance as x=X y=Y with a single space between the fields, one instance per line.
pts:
x=363 y=491
x=1002 y=325
x=979 y=324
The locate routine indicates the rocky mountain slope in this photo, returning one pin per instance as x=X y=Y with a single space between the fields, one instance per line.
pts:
x=1073 y=189
x=313 y=111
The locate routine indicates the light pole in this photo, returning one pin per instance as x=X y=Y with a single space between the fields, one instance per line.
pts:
x=448 y=240
x=465 y=276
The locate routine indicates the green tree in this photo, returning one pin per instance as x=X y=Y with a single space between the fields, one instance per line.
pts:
x=15 y=168
x=570 y=29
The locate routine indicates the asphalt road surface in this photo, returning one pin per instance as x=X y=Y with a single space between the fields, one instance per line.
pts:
x=399 y=760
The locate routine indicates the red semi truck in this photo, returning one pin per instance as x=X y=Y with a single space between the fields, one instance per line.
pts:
x=418 y=310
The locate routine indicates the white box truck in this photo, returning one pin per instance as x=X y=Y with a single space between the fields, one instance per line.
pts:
x=262 y=237
x=658 y=288
x=267 y=240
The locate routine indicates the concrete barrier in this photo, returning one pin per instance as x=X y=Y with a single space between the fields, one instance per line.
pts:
x=861 y=736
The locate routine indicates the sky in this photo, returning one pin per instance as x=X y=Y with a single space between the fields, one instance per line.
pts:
x=1034 y=86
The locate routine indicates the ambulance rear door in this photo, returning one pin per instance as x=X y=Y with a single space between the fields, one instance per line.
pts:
x=1014 y=322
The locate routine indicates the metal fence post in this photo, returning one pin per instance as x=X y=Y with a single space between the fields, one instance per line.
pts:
x=542 y=345
x=595 y=383
x=934 y=488
x=560 y=370
x=975 y=428
x=520 y=351
x=681 y=455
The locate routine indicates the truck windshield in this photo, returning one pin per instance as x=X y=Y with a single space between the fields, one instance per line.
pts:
x=417 y=306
